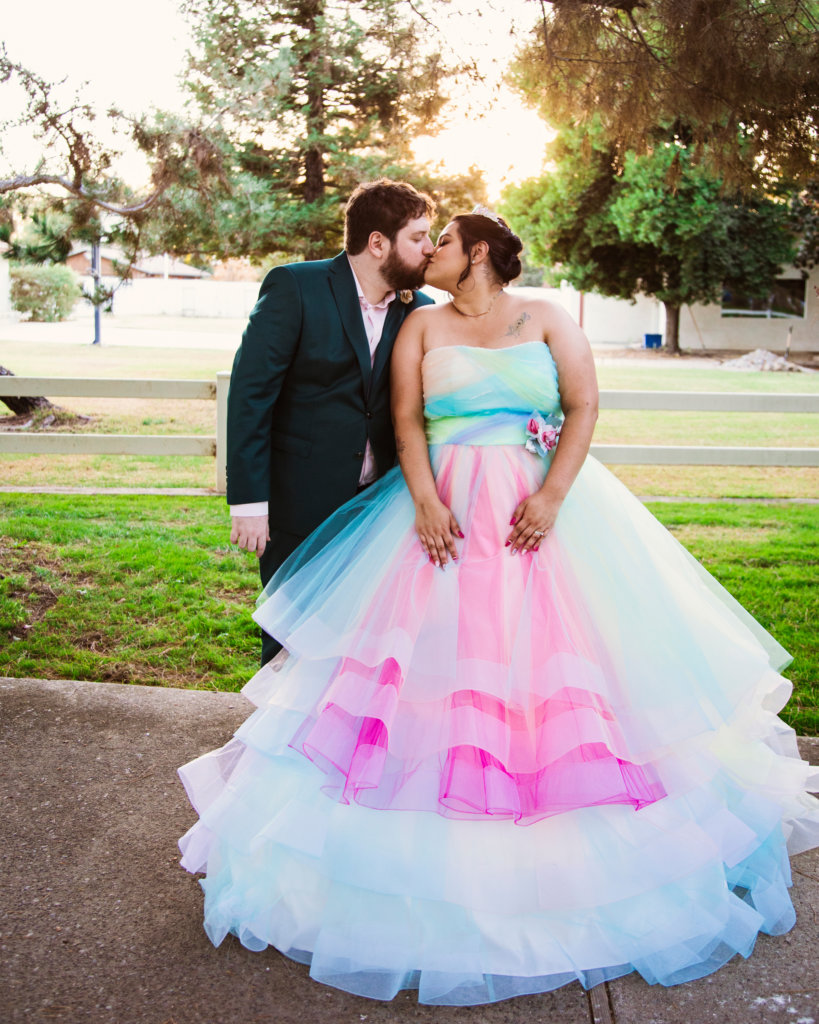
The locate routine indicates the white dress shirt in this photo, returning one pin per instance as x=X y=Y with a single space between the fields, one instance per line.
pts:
x=373 y=317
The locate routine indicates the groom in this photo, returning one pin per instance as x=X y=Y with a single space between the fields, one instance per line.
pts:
x=309 y=407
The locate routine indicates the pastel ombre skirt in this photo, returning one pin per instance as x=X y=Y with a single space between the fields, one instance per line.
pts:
x=519 y=771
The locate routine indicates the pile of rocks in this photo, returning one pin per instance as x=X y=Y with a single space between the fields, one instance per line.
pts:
x=762 y=359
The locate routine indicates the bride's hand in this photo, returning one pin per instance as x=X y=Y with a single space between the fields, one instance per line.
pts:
x=532 y=520
x=437 y=529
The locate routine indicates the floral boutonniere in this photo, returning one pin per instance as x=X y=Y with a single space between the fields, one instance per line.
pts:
x=542 y=434
x=406 y=295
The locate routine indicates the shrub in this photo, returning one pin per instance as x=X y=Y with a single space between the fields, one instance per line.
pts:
x=44 y=293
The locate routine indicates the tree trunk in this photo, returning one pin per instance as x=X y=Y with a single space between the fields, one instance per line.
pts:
x=23 y=406
x=672 y=328
x=314 y=183
x=313 y=175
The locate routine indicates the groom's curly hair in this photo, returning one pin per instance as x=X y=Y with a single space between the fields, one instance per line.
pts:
x=384 y=206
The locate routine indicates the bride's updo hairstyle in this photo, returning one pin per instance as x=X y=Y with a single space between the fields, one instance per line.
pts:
x=504 y=244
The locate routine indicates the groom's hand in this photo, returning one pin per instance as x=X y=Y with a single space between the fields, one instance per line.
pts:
x=250 y=532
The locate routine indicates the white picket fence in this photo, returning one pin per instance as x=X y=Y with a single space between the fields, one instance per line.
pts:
x=215 y=446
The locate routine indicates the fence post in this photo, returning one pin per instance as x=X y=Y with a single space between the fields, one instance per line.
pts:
x=222 y=386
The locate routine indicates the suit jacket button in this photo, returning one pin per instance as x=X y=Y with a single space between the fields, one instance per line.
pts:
x=369 y=415
x=358 y=455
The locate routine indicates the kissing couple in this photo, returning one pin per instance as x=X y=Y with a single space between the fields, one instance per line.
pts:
x=517 y=736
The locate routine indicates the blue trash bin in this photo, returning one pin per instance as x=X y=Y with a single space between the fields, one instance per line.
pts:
x=653 y=340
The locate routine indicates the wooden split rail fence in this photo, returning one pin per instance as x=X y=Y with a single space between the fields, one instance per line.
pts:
x=215 y=446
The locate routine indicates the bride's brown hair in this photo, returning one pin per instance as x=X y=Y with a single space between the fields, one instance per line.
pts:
x=504 y=244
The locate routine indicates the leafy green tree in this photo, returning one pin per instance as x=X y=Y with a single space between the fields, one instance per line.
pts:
x=805 y=211
x=252 y=220
x=305 y=99
x=734 y=79
x=660 y=225
x=44 y=239
x=78 y=194
x=45 y=293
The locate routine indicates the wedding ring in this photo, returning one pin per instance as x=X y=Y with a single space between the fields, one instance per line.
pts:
x=539 y=533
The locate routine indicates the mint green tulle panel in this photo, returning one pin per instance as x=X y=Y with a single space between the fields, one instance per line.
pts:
x=500 y=388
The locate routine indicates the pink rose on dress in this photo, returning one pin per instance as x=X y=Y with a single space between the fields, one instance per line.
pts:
x=542 y=434
x=548 y=438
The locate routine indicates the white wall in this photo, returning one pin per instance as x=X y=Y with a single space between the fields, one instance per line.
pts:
x=605 y=320
x=614 y=320
x=175 y=297
x=6 y=312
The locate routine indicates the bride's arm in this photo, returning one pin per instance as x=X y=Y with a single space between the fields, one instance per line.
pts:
x=578 y=395
x=434 y=523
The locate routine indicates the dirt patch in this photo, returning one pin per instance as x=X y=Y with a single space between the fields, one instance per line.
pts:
x=89 y=641
x=118 y=674
x=37 y=594
x=694 y=356
x=724 y=534
x=48 y=421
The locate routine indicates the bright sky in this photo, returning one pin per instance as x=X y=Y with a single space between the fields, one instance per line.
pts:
x=131 y=56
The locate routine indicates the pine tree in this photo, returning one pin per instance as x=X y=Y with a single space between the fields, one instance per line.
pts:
x=736 y=80
x=307 y=98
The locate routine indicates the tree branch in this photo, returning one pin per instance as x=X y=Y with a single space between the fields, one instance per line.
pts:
x=29 y=181
x=421 y=15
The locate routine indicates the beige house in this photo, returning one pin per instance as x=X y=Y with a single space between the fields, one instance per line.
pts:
x=146 y=267
x=787 y=320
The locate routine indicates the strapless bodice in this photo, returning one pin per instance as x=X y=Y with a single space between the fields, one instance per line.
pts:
x=486 y=395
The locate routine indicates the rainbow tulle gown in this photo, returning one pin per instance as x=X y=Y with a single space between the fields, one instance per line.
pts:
x=519 y=771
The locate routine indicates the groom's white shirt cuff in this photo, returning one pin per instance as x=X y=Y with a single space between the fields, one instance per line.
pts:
x=253 y=508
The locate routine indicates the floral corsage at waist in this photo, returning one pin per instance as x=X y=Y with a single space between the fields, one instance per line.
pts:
x=542 y=434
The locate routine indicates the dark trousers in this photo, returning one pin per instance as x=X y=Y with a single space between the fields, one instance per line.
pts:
x=279 y=547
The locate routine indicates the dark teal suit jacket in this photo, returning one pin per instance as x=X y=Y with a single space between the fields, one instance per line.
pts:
x=304 y=398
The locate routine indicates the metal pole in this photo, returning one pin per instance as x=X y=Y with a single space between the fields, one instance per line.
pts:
x=95 y=274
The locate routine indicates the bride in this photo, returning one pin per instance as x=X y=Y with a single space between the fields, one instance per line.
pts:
x=518 y=736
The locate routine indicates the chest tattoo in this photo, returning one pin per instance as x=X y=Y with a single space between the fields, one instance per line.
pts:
x=514 y=329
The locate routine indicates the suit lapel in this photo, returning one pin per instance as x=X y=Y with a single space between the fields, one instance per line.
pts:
x=349 y=309
x=392 y=323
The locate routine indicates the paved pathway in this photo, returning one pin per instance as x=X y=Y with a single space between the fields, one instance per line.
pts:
x=101 y=926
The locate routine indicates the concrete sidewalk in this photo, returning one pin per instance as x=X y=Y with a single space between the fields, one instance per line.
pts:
x=101 y=925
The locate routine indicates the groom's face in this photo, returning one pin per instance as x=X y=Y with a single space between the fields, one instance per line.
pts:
x=407 y=259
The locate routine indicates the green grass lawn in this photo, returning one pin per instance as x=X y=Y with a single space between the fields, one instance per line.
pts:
x=147 y=589
x=623 y=375
x=49 y=359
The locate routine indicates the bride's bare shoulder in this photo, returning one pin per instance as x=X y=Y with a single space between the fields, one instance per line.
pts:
x=538 y=311
x=534 y=303
x=424 y=313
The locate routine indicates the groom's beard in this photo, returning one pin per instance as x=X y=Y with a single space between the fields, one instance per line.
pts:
x=400 y=275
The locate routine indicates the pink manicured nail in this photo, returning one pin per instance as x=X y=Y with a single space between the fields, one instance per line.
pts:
x=506 y=545
x=512 y=521
x=460 y=535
